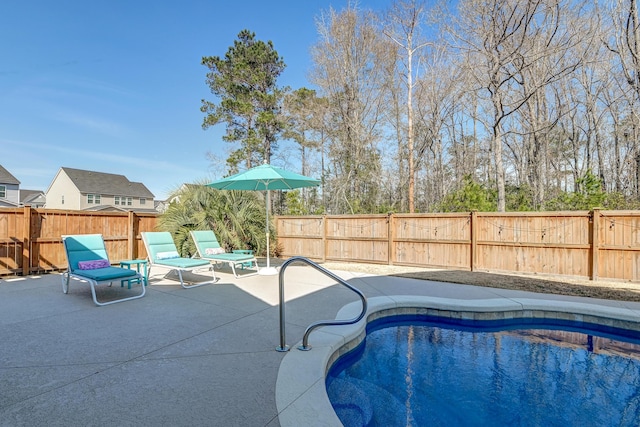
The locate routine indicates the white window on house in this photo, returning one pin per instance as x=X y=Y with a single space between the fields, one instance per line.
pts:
x=121 y=200
x=143 y=201
x=63 y=199
x=93 y=199
x=96 y=199
x=3 y=191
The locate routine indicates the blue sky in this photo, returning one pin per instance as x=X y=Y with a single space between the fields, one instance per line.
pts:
x=115 y=85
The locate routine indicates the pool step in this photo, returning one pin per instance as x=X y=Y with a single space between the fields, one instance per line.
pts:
x=352 y=403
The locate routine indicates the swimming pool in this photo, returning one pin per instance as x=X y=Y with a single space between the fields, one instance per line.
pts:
x=422 y=370
x=301 y=394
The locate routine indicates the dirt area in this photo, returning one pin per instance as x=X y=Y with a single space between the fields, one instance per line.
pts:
x=624 y=291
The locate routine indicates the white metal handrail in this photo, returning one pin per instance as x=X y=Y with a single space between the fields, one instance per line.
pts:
x=305 y=340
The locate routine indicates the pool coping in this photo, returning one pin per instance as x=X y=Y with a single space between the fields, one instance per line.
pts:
x=301 y=396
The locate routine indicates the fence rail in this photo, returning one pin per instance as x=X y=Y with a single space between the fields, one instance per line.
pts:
x=31 y=239
x=584 y=244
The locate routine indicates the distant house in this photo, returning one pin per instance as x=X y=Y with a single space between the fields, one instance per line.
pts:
x=175 y=196
x=161 y=205
x=78 y=189
x=33 y=198
x=9 y=189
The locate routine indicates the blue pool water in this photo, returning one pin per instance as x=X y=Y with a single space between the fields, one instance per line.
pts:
x=425 y=371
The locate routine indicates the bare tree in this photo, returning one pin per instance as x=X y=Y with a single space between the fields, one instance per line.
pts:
x=556 y=51
x=625 y=43
x=491 y=34
x=509 y=42
x=614 y=104
x=569 y=145
x=348 y=67
x=437 y=102
x=403 y=27
x=626 y=40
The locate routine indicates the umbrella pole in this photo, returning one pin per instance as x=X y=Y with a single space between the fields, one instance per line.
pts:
x=268 y=271
x=267 y=230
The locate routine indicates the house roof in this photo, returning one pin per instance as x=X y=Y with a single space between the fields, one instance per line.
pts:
x=27 y=196
x=106 y=183
x=7 y=178
x=112 y=208
x=5 y=203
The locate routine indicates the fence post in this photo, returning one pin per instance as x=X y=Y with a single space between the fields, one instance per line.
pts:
x=474 y=240
x=595 y=237
x=26 y=241
x=132 y=232
x=324 y=238
x=391 y=236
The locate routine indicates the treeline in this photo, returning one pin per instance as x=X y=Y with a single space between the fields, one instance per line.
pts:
x=491 y=105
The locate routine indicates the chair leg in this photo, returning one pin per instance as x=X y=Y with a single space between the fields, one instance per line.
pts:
x=214 y=279
x=65 y=282
x=180 y=277
x=100 y=304
x=164 y=270
x=233 y=268
x=93 y=293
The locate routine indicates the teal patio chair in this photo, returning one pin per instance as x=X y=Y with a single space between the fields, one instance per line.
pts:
x=87 y=261
x=208 y=248
x=162 y=253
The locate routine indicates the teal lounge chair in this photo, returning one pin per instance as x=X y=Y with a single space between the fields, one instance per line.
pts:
x=162 y=252
x=208 y=248
x=87 y=261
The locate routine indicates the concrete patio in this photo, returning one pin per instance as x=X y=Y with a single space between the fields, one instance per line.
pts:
x=181 y=357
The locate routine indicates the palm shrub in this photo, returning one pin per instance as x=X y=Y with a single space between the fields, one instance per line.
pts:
x=236 y=217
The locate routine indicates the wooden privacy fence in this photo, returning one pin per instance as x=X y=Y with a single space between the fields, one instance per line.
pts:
x=584 y=244
x=595 y=245
x=31 y=242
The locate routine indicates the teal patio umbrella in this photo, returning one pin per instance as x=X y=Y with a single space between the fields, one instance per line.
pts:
x=265 y=178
